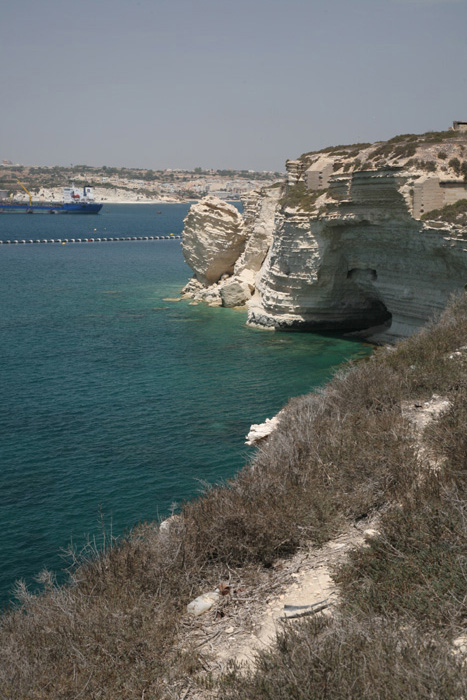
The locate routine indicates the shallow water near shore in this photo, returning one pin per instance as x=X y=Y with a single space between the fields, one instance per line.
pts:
x=115 y=398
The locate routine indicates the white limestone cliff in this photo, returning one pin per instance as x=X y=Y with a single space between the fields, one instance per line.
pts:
x=348 y=257
x=259 y=210
x=362 y=265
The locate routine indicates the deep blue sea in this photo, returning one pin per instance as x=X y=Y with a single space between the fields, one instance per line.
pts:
x=114 y=398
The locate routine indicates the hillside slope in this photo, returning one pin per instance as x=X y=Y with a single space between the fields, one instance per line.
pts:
x=348 y=454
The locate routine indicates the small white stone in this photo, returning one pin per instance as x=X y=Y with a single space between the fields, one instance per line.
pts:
x=370 y=532
x=460 y=644
x=202 y=603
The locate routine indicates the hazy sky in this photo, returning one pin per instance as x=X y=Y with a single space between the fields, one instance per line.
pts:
x=223 y=83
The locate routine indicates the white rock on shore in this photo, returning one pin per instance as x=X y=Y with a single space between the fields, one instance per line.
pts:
x=235 y=292
x=260 y=431
x=226 y=251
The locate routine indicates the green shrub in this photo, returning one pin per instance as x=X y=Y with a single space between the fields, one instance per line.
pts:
x=403 y=137
x=385 y=151
x=432 y=137
x=354 y=146
x=404 y=151
x=299 y=197
x=455 y=164
x=452 y=213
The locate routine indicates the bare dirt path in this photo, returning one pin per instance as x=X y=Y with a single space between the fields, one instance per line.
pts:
x=247 y=619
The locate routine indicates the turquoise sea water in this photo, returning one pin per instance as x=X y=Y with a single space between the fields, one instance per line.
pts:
x=114 y=398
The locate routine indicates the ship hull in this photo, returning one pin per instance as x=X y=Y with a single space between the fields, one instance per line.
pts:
x=73 y=208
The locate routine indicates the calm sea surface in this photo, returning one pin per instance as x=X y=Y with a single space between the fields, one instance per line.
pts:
x=114 y=399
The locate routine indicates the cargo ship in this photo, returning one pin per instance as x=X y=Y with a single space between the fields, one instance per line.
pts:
x=75 y=201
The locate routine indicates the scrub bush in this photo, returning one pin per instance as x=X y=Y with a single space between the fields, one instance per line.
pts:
x=370 y=659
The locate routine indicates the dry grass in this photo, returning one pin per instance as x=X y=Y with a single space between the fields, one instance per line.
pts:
x=337 y=456
x=448 y=436
x=416 y=568
x=404 y=595
x=351 y=659
x=106 y=635
x=424 y=358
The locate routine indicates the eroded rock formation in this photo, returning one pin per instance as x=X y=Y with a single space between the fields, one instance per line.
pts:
x=225 y=249
x=363 y=264
x=347 y=257
x=213 y=239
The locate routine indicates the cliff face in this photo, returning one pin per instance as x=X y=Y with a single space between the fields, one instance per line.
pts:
x=259 y=211
x=363 y=264
x=346 y=257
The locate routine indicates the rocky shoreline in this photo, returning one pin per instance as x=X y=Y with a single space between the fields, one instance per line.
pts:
x=351 y=513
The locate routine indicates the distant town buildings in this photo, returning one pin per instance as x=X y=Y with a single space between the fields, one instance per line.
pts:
x=137 y=184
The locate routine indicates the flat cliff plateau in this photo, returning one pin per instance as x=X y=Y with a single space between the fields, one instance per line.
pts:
x=339 y=247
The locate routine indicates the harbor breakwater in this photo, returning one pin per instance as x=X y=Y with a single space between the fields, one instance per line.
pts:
x=171 y=237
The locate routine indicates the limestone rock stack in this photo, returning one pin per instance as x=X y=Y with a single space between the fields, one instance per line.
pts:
x=259 y=211
x=213 y=239
x=226 y=250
